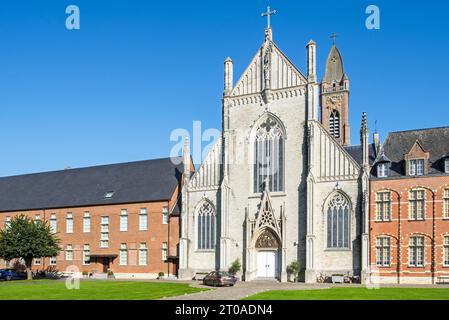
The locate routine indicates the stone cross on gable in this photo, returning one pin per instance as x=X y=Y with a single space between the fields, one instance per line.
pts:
x=268 y=14
x=333 y=37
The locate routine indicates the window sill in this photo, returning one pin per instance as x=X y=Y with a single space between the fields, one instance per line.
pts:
x=383 y=267
x=382 y=221
x=416 y=220
x=338 y=250
x=417 y=267
x=205 y=251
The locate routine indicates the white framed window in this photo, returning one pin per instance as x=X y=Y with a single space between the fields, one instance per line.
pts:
x=86 y=255
x=69 y=253
x=416 y=167
x=416 y=251
x=53 y=223
x=164 y=251
x=104 y=237
x=446 y=165
x=382 y=170
x=446 y=251
x=143 y=254
x=417 y=205
x=206 y=226
x=123 y=254
x=37 y=218
x=446 y=204
x=383 y=206
x=143 y=219
x=37 y=261
x=124 y=220
x=383 y=252
x=7 y=222
x=165 y=215
x=69 y=223
x=86 y=222
x=53 y=261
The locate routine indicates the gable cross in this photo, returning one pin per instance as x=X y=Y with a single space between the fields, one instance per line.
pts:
x=268 y=14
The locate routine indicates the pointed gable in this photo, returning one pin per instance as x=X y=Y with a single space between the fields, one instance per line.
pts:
x=265 y=216
x=281 y=72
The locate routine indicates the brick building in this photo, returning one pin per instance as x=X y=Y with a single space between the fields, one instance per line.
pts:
x=409 y=207
x=120 y=217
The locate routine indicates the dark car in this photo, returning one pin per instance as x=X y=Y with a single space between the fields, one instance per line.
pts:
x=219 y=278
x=11 y=274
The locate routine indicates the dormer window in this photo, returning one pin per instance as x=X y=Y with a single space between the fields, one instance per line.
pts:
x=446 y=165
x=109 y=195
x=416 y=167
x=382 y=170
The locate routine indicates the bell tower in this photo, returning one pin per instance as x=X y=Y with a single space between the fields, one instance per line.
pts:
x=334 y=98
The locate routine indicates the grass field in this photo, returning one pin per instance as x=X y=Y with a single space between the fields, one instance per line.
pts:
x=92 y=290
x=356 y=294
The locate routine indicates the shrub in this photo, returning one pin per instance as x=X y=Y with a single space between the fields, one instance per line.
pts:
x=294 y=268
x=235 y=267
x=161 y=275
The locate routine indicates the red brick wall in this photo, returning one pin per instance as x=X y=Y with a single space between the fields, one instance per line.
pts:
x=401 y=228
x=156 y=234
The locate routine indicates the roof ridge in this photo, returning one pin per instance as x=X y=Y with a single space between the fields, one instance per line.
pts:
x=89 y=167
x=422 y=129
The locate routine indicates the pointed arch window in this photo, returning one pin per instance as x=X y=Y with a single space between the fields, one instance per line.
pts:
x=206 y=226
x=334 y=124
x=338 y=222
x=269 y=156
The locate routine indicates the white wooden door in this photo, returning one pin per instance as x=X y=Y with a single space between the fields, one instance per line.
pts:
x=266 y=264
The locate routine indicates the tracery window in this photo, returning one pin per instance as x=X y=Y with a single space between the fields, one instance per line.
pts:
x=269 y=156
x=206 y=226
x=338 y=222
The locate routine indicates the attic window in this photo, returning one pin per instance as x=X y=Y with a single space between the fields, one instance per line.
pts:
x=416 y=167
x=446 y=165
x=109 y=195
x=382 y=170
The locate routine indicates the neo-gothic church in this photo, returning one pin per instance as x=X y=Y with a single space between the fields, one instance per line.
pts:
x=283 y=183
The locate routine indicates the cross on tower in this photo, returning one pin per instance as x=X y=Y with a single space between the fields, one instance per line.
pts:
x=268 y=14
x=333 y=37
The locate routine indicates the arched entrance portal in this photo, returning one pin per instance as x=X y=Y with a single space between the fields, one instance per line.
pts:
x=267 y=248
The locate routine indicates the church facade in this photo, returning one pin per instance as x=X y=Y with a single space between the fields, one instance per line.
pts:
x=283 y=183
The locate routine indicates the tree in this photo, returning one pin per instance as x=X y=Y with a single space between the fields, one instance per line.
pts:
x=235 y=267
x=26 y=239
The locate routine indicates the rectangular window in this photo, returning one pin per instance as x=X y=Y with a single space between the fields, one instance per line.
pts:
x=446 y=165
x=37 y=261
x=383 y=252
x=69 y=223
x=86 y=222
x=383 y=208
x=143 y=254
x=104 y=240
x=53 y=223
x=123 y=254
x=446 y=251
x=69 y=253
x=416 y=167
x=124 y=220
x=382 y=170
x=7 y=222
x=143 y=219
x=446 y=204
x=37 y=218
x=53 y=261
x=86 y=255
x=164 y=251
x=416 y=205
x=416 y=251
x=164 y=215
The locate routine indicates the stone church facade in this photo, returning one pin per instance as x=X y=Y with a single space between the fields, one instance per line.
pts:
x=283 y=183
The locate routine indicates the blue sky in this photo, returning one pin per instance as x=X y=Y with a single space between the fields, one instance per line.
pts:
x=115 y=89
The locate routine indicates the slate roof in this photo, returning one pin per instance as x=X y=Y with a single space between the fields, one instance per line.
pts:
x=132 y=182
x=433 y=140
x=356 y=153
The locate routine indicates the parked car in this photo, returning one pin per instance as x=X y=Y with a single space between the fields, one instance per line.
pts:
x=219 y=278
x=11 y=274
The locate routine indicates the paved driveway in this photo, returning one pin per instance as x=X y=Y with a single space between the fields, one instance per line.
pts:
x=244 y=289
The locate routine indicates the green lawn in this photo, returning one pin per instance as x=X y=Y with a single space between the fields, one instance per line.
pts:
x=355 y=294
x=91 y=290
